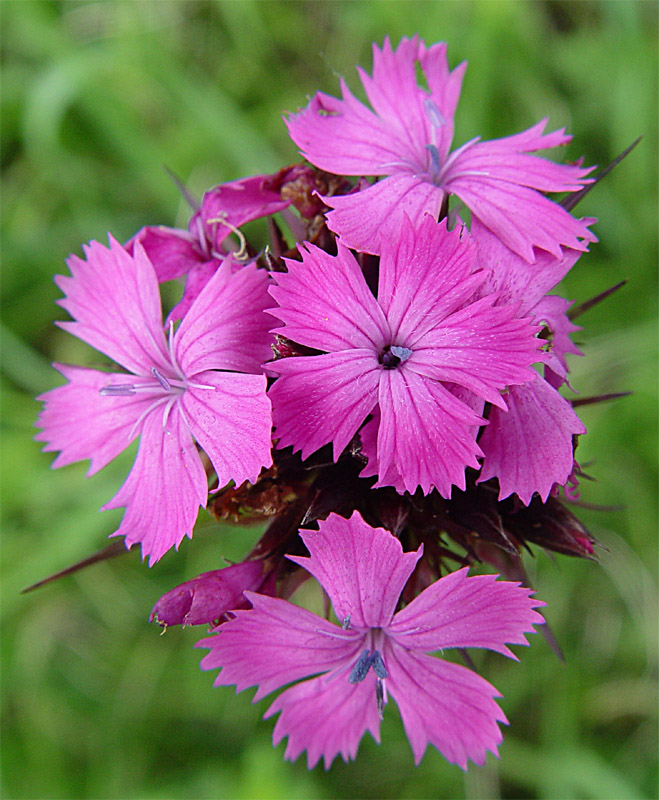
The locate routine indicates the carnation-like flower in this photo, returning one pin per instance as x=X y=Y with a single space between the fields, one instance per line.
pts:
x=190 y=389
x=406 y=141
x=416 y=358
x=375 y=652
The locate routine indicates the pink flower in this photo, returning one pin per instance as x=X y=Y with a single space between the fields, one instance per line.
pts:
x=529 y=447
x=417 y=357
x=199 y=251
x=406 y=141
x=190 y=389
x=375 y=652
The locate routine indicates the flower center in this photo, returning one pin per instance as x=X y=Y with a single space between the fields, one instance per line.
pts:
x=392 y=356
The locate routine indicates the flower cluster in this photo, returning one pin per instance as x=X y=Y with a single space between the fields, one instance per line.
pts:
x=386 y=372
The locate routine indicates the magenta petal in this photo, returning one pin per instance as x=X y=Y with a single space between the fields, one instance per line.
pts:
x=461 y=611
x=327 y=717
x=326 y=304
x=481 y=347
x=81 y=423
x=164 y=488
x=115 y=302
x=172 y=251
x=521 y=217
x=321 y=399
x=445 y=705
x=198 y=276
x=425 y=274
x=232 y=422
x=529 y=448
x=512 y=277
x=209 y=596
x=362 y=569
x=275 y=643
x=345 y=137
x=425 y=433
x=226 y=326
x=364 y=219
x=402 y=104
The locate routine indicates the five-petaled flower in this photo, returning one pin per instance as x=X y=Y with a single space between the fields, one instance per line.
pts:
x=192 y=388
x=418 y=358
x=375 y=652
x=406 y=141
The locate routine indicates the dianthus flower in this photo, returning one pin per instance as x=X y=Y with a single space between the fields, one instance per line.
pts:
x=189 y=389
x=406 y=141
x=375 y=652
x=416 y=358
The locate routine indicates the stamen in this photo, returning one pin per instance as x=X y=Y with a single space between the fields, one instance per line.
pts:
x=361 y=668
x=437 y=119
x=346 y=623
x=393 y=356
x=378 y=664
x=379 y=697
x=118 y=390
x=162 y=380
x=365 y=661
x=241 y=254
x=434 y=160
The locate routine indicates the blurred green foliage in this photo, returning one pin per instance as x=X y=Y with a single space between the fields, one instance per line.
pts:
x=97 y=98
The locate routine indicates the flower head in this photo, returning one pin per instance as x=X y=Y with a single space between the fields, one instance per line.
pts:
x=420 y=358
x=406 y=139
x=374 y=652
x=200 y=386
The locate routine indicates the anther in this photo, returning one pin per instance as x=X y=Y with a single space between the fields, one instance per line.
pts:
x=434 y=160
x=393 y=356
x=118 y=390
x=241 y=254
x=162 y=380
x=437 y=119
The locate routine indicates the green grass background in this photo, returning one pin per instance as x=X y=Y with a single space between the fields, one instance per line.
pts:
x=97 y=98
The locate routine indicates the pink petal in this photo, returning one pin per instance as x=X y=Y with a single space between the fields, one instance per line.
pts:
x=209 y=596
x=322 y=399
x=521 y=217
x=326 y=304
x=326 y=716
x=461 y=611
x=232 y=422
x=445 y=705
x=402 y=104
x=115 y=302
x=345 y=137
x=425 y=434
x=82 y=424
x=512 y=277
x=362 y=569
x=425 y=274
x=529 y=448
x=364 y=219
x=164 y=488
x=198 y=276
x=275 y=643
x=481 y=347
x=226 y=326
x=172 y=251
